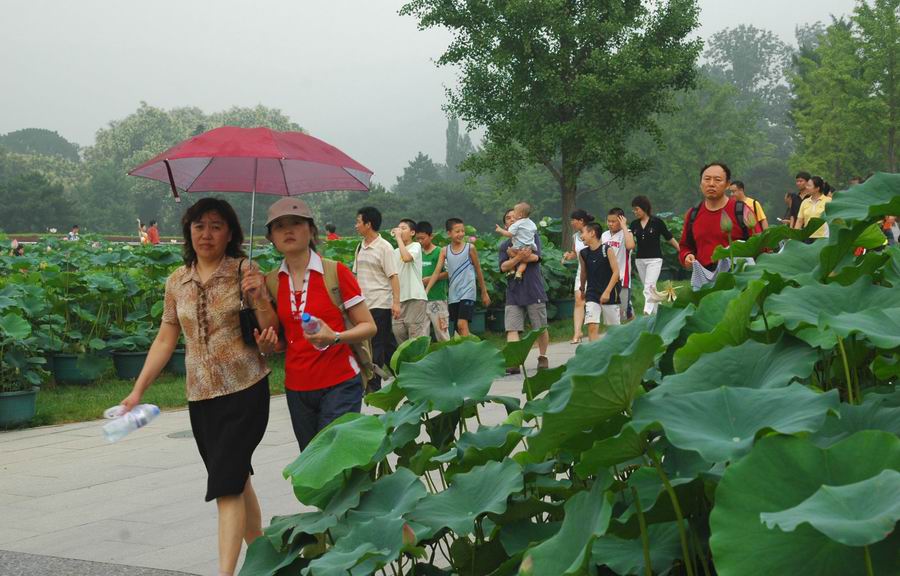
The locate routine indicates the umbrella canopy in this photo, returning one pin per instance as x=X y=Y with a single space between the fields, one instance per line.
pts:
x=259 y=160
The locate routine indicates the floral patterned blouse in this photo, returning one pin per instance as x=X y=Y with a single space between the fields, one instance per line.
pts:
x=218 y=361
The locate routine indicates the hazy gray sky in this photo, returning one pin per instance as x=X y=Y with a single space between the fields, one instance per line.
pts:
x=351 y=72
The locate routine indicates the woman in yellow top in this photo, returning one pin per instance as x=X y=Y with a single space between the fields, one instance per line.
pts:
x=813 y=206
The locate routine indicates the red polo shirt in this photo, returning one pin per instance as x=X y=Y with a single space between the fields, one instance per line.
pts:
x=305 y=367
x=708 y=233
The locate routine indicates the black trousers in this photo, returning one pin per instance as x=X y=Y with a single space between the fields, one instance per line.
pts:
x=383 y=344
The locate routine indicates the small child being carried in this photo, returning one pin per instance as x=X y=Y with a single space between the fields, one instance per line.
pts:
x=522 y=232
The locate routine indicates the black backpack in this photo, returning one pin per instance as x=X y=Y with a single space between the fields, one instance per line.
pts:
x=738 y=215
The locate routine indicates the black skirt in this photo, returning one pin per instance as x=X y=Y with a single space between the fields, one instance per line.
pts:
x=227 y=430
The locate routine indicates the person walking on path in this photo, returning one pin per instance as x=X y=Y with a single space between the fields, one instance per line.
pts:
x=599 y=280
x=438 y=306
x=522 y=232
x=579 y=218
x=526 y=297
x=813 y=206
x=321 y=375
x=619 y=236
x=716 y=221
x=647 y=230
x=463 y=268
x=797 y=197
x=738 y=193
x=227 y=379
x=376 y=270
x=153 y=233
x=413 y=320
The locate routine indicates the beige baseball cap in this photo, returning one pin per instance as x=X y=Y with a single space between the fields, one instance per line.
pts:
x=288 y=207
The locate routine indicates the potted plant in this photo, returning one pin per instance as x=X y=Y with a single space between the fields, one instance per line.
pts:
x=129 y=348
x=21 y=369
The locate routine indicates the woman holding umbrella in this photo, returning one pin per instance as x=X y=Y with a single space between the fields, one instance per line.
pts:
x=227 y=380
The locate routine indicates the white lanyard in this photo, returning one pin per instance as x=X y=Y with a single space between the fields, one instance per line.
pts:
x=297 y=311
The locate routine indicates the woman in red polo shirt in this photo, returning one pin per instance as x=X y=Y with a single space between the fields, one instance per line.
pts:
x=321 y=385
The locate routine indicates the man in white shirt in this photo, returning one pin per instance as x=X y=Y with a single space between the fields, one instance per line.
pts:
x=621 y=240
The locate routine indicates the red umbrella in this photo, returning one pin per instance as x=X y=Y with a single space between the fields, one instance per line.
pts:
x=255 y=160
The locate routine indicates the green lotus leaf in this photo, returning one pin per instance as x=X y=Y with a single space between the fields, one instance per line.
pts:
x=752 y=247
x=487 y=443
x=515 y=353
x=891 y=270
x=627 y=556
x=878 y=196
x=477 y=557
x=732 y=328
x=840 y=246
x=484 y=489
x=780 y=473
x=651 y=492
x=626 y=446
x=410 y=351
x=387 y=398
x=391 y=496
x=14 y=326
x=856 y=514
x=749 y=365
x=366 y=548
x=871 y=264
x=845 y=309
x=519 y=536
x=543 y=380
x=264 y=560
x=311 y=523
x=852 y=419
x=591 y=400
x=451 y=375
x=886 y=368
x=567 y=552
x=721 y=425
x=795 y=262
x=346 y=443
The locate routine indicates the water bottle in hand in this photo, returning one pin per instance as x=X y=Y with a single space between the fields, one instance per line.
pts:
x=126 y=422
x=311 y=325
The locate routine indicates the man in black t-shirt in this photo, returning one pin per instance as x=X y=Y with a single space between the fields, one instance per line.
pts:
x=599 y=281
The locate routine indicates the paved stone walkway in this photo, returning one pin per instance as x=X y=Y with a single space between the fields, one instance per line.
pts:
x=71 y=503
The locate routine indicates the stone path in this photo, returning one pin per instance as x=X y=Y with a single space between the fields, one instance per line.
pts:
x=71 y=503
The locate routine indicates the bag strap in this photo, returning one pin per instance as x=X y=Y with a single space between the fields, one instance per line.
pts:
x=692 y=216
x=240 y=281
x=739 y=216
x=333 y=285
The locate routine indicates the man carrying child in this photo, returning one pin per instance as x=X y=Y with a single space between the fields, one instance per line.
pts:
x=522 y=232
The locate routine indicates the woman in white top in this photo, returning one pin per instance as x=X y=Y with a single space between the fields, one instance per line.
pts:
x=579 y=219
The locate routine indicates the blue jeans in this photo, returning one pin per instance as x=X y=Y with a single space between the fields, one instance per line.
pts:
x=312 y=410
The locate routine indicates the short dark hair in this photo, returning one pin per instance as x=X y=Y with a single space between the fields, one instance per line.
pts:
x=595 y=228
x=721 y=165
x=153 y=222
x=643 y=203
x=330 y=227
x=451 y=222
x=370 y=215
x=425 y=227
x=196 y=212
x=580 y=214
x=803 y=175
x=616 y=212
x=411 y=223
x=737 y=184
x=819 y=183
x=74 y=225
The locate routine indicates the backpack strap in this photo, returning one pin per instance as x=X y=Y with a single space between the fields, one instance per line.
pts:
x=332 y=284
x=739 y=216
x=689 y=224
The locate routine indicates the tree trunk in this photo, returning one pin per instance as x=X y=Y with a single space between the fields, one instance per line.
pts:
x=568 y=185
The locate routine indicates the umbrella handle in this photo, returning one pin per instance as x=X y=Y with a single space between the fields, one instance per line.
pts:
x=172 y=181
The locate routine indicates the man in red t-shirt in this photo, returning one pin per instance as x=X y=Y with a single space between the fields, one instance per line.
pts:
x=715 y=223
x=153 y=233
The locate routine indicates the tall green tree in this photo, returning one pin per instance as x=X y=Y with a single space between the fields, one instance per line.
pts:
x=419 y=173
x=39 y=141
x=879 y=43
x=32 y=203
x=459 y=147
x=563 y=83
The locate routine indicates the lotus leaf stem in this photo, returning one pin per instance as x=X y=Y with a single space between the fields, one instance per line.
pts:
x=868 y=557
x=645 y=539
x=699 y=548
x=846 y=370
x=685 y=549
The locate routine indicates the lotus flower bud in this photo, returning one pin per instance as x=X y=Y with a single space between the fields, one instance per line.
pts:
x=725 y=223
x=409 y=536
x=527 y=566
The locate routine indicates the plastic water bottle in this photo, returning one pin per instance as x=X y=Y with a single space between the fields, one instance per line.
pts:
x=311 y=325
x=122 y=423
